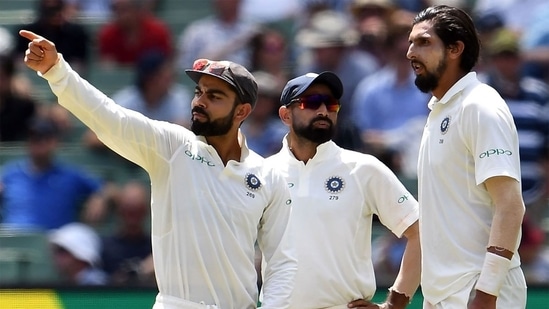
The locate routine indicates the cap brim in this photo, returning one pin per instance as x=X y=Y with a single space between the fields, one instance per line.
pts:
x=196 y=75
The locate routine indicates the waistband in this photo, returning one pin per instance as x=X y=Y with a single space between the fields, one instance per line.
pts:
x=170 y=302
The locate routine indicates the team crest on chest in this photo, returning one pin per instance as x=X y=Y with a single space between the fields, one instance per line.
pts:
x=444 y=125
x=252 y=182
x=334 y=184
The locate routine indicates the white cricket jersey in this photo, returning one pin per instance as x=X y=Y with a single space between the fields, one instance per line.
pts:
x=206 y=216
x=469 y=137
x=334 y=197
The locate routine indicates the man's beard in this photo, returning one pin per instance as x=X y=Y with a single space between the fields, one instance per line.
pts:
x=429 y=81
x=217 y=127
x=313 y=134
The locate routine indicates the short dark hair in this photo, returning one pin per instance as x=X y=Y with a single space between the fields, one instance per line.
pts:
x=451 y=25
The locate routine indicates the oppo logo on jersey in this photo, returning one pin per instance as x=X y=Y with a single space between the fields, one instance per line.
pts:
x=199 y=158
x=495 y=152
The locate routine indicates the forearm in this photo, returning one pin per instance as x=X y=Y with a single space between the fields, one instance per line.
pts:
x=503 y=242
x=408 y=277
x=508 y=213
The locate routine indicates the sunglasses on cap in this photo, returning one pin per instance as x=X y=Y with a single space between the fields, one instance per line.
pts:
x=221 y=69
x=314 y=101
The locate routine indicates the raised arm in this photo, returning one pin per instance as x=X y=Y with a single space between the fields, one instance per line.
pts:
x=129 y=133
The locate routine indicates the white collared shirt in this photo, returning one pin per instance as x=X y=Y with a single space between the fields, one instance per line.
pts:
x=469 y=137
x=206 y=217
x=334 y=198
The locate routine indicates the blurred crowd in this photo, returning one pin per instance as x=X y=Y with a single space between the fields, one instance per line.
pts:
x=98 y=230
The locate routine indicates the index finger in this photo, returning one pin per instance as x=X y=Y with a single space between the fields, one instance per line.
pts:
x=29 y=35
x=38 y=40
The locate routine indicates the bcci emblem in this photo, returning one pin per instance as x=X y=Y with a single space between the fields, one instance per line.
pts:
x=334 y=184
x=444 y=125
x=252 y=182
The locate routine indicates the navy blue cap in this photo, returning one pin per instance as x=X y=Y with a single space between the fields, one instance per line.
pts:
x=295 y=87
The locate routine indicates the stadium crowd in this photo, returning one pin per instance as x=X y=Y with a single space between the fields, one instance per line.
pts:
x=98 y=222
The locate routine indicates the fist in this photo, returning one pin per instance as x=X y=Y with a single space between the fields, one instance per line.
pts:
x=41 y=54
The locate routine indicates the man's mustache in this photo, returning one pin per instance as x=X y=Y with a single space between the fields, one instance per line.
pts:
x=199 y=110
x=322 y=118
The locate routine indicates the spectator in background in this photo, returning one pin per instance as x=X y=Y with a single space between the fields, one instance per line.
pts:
x=389 y=110
x=76 y=249
x=276 y=11
x=224 y=35
x=71 y=39
x=39 y=192
x=132 y=32
x=535 y=43
x=126 y=254
x=534 y=254
x=98 y=10
x=270 y=54
x=263 y=129
x=528 y=101
x=16 y=110
x=371 y=21
x=331 y=46
x=487 y=25
x=330 y=43
x=154 y=94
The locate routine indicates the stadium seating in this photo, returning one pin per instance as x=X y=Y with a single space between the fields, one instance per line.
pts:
x=25 y=259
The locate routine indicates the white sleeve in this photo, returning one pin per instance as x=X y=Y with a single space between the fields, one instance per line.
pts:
x=395 y=206
x=129 y=133
x=490 y=134
x=276 y=244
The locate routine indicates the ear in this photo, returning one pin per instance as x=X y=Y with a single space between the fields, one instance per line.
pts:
x=242 y=112
x=285 y=115
x=455 y=50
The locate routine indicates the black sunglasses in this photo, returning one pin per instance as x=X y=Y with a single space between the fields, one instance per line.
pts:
x=315 y=100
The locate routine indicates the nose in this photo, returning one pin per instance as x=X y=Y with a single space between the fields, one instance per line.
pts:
x=198 y=100
x=322 y=110
x=410 y=52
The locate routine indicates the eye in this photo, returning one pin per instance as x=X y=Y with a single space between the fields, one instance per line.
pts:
x=197 y=92
x=423 y=42
x=213 y=97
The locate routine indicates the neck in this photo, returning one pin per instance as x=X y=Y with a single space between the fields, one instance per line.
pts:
x=446 y=82
x=303 y=149
x=226 y=146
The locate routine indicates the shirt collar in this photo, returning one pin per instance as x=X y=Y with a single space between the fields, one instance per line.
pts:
x=323 y=151
x=244 y=150
x=461 y=84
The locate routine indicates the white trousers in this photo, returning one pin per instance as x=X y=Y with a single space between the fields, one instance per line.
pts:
x=170 y=302
x=511 y=296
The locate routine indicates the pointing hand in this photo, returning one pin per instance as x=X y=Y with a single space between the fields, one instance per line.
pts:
x=41 y=54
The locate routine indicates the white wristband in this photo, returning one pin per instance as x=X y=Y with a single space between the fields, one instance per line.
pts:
x=493 y=273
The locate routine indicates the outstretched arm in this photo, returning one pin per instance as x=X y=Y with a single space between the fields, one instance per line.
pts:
x=127 y=132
